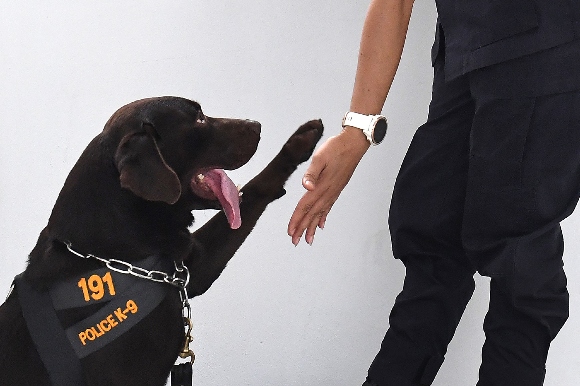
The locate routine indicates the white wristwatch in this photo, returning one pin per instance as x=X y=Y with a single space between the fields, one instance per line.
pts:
x=374 y=127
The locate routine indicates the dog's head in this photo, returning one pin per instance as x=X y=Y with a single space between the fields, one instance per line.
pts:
x=169 y=151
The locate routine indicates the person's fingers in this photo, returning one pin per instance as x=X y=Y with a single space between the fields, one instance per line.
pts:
x=311 y=231
x=313 y=217
x=309 y=198
x=301 y=212
x=301 y=217
x=296 y=236
x=297 y=215
x=311 y=211
x=322 y=220
x=318 y=221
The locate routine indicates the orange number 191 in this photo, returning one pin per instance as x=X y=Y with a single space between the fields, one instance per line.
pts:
x=96 y=285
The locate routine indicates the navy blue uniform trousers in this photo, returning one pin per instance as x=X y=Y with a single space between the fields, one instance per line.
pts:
x=483 y=188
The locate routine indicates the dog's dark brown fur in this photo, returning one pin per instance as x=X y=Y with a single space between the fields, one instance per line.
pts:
x=130 y=196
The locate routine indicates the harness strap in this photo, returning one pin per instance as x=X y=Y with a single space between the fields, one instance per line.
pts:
x=58 y=356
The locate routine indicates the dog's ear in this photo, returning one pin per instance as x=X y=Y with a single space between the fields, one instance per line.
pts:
x=143 y=170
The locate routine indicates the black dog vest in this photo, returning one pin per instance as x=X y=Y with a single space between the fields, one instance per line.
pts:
x=125 y=300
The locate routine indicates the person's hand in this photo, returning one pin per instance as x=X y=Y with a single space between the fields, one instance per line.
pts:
x=330 y=170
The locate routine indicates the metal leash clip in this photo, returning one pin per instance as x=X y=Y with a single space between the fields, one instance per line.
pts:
x=186 y=352
x=182 y=374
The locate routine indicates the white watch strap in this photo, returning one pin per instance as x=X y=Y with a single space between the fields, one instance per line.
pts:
x=360 y=121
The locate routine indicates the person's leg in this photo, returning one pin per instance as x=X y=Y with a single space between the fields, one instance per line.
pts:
x=527 y=309
x=524 y=178
x=422 y=322
x=425 y=223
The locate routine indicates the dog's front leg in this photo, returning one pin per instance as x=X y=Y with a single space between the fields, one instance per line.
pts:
x=214 y=244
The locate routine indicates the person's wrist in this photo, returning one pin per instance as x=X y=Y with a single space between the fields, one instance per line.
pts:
x=356 y=138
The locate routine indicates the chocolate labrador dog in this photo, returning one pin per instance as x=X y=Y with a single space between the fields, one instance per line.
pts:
x=116 y=260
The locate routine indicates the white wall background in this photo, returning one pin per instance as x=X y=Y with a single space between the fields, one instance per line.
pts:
x=279 y=315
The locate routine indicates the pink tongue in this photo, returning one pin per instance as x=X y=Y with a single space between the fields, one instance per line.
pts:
x=227 y=194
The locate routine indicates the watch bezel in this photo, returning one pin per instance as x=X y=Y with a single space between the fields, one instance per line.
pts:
x=374 y=124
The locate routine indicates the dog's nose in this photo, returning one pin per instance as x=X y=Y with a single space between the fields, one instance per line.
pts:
x=255 y=126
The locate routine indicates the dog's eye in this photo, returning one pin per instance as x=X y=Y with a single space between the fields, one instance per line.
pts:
x=201 y=118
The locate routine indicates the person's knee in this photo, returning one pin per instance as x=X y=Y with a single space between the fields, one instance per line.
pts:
x=543 y=299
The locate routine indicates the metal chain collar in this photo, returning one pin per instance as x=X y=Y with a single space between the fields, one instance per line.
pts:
x=179 y=279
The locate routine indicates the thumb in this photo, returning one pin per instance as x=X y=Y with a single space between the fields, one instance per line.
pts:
x=312 y=175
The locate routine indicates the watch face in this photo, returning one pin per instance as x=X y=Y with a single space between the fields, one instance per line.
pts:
x=380 y=131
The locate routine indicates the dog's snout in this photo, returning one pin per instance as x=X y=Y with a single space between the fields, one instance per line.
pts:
x=255 y=126
x=236 y=124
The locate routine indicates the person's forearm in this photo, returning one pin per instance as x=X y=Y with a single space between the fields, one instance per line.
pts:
x=334 y=162
x=381 y=46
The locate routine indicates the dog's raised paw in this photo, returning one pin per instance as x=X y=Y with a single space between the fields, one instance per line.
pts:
x=297 y=149
x=301 y=144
